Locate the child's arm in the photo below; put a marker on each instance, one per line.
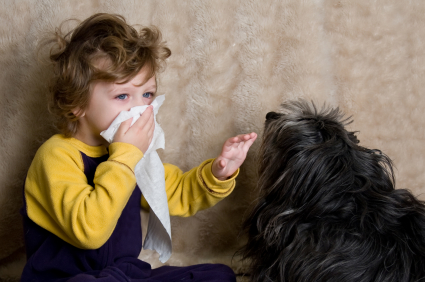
(59, 197)
(198, 188)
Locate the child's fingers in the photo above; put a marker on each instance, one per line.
(253, 135)
(250, 136)
(221, 164)
(150, 138)
(248, 144)
(244, 137)
(219, 168)
(229, 145)
(145, 120)
(150, 127)
(241, 138)
(124, 126)
(232, 141)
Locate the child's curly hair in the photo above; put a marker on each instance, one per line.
(103, 47)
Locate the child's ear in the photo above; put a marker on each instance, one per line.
(78, 112)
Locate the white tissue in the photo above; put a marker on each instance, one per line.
(150, 179)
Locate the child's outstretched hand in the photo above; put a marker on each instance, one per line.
(232, 155)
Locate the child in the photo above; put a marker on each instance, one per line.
(81, 204)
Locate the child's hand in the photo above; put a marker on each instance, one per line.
(232, 155)
(140, 134)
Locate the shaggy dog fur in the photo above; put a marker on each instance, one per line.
(328, 210)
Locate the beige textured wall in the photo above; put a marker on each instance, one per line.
(233, 61)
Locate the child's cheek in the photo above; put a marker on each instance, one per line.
(148, 101)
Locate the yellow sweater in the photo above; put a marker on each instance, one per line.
(60, 199)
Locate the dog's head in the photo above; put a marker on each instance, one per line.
(308, 159)
(327, 208)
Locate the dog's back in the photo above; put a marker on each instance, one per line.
(328, 210)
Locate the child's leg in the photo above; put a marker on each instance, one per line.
(194, 273)
(121, 273)
(109, 274)
(201, 272)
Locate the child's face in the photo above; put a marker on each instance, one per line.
(107, 100)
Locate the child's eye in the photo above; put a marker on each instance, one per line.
(122, 96)
(147, 95)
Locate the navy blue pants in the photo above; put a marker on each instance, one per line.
(201, 272)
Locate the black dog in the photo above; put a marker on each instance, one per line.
(328, 210)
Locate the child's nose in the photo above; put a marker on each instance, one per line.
(140, 101)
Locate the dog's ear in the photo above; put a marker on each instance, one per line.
(272, 115)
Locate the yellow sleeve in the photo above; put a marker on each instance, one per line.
(194, 190)
(60, 200)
